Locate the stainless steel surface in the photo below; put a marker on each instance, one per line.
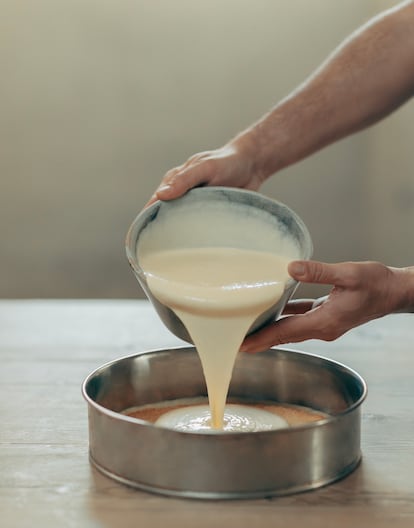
(235, 465)
(288, 221)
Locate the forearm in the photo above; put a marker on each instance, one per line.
(365, 79)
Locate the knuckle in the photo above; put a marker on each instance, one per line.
(169, 173)
(317, 271)
(353, 273)
(357, 273)
(353, 279)
(330, 336)
(280, 338)
(331, 333)
(199, 156)
(207, 168)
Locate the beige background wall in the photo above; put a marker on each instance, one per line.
(98, 98)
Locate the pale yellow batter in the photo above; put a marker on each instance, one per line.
(218, 293)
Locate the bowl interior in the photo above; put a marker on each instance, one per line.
(217, 216)
(221, 217)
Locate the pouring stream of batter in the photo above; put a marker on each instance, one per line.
(218, 293)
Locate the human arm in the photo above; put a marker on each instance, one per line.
(362, 291)
(367, 77)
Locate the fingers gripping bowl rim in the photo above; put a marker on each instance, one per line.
(243, 208)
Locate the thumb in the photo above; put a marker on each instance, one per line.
(316, 272)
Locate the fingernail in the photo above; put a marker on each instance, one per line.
(164, 187)
(297, 268)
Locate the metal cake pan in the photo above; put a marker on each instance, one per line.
(226, 465)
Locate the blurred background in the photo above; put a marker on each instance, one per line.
(99, 98)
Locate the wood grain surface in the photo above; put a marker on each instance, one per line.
(47, 348)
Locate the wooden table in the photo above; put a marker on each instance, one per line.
(47, 348)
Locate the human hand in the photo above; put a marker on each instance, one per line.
(232, 165)
(361, 291)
